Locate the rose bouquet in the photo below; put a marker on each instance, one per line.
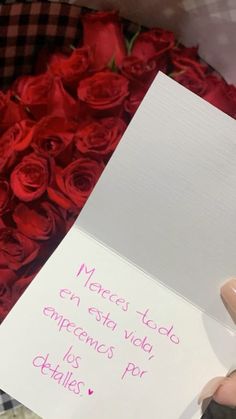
(60, 126)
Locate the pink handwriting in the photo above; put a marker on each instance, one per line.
(82, 268)
(104, 319)
(72, 359)
(98, 288)
(68, 295)
(138, 342)
(65, 379)
(151, 324)
(82, 335)
(133, 370)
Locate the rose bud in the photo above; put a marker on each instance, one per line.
(153, 43)
(102, 32)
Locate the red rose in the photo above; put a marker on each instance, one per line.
(71, 69)
(7, 279)
(7, 155)
(44, 94)
(20, 134)
(185, 63)
(102, 32)
(29, 179)
(192, 80)
(33, 92)
(99, 138)
(138, 70)
(134, 100)
(188, 71)
(5, 196)
(104, 90)
(2, 224)
(51, 135)
(60, 103)
(14, 139)
(5, 305)
(221, 95)
(76, 182)
(10, 111)
(182, 51)
(16, 250)
(43, 220)
(211, 88)
(153, 43)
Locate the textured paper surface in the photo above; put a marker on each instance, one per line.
(155, 346)
(167, 200)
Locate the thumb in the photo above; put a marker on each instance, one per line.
(226, 392)
(221, 389)
(228, 294)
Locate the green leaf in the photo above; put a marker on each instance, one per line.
(127, 44)
(112, 64)
(176, 73)
(130, 43)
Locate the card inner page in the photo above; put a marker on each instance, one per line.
(96, 334)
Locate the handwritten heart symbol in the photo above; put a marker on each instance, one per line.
(90, 392)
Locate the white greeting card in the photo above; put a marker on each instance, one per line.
(124, 319)
(167, 200)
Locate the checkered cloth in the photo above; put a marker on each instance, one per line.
(26, 27)
(6, 402)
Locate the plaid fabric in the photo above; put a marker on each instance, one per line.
(6, 402)
(26, 27)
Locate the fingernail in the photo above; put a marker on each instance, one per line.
(228, 293)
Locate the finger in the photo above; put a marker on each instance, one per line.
(210, 388)
(223, 389)
(226, 392)
(228, 294)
